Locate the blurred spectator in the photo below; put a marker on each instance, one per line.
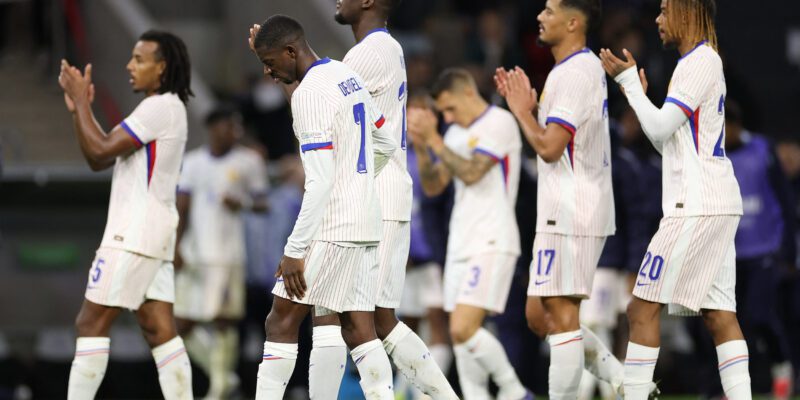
(267, 118)
(764, 245)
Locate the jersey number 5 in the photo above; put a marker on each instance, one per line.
(360, 115)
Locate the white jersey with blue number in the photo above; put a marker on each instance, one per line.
(333, 111)
(378, 59)
(574, 193)
(698, 176)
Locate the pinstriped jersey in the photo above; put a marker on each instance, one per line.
(142, 217)
(333, 111)
(574, 194)
(698, 176)
(378, 59)
(483, 218)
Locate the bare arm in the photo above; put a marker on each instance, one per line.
(99, 149)
(422, 126)
(550, 142)
(182, 202)
(468, 170)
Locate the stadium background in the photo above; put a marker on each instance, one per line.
(53, 208)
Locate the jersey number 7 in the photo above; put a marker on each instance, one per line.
(360, 115)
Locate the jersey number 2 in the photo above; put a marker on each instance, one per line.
(360, 115)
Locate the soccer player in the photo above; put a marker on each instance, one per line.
(330, 260)
(572, 142)
(481, 152)
(217, 183)
(378, 59)
(133, 266)
(690, 263)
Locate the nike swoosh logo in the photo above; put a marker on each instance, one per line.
(542, 282)
(642, 284)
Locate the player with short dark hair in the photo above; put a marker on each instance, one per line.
(481, 154)
(378, 58)
(572, 141)
(133, 266)
(690, 263)
(330, 259)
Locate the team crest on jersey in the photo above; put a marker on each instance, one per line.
(233, 175)
(472, 142)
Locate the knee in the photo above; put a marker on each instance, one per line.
(385, 321)
(462, 330)
(640, 313)
(278, 328)
(537, 321)
(719, 321)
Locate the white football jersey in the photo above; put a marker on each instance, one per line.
(698, 176)
(483, 218)
(214, 234)
(333, 111)
(574, 194)
(378, 59)
(142, 217)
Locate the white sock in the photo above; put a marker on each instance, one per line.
(174, 369)
(587, 386)
(275, 370)
(326, 366)
(443, 355)
(198, 342)
(566, 364)
(599, 360)
(491, 355)
(734, 361)
(474, 379)
(375, 370)
(222, 362)
(412, 357)
(88, 367)
(640, 364)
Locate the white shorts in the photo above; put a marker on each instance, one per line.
(119, 278)
(564, 265)
(602, 308)
(339, 278)
(690, 264)
(393, 259)
(422, 291)
(482, 280)
(204, 293)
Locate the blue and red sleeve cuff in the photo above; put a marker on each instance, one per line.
(488, 153)
(379, 123)
(137, 141)
(563, 123)
(685, 108)
(316, 146)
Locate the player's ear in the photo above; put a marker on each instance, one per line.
(365, 4)
(291, 50)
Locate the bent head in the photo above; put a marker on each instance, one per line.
(454, 93)
(278, 45)
(687, 22)
(349, 12)
(561, 18)
(160, 64)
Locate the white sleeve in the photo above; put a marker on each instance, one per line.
(313, 120)
(658, 124)
(569, 107)
(187, 179)
(383, 144)
(148, 121)
(319, 170)
(257, 182)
